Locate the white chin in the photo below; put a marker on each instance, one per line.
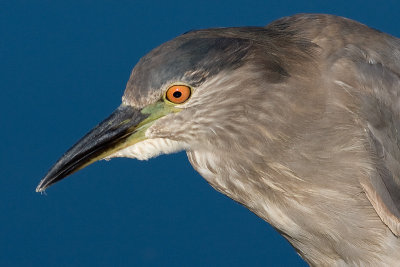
(149, 148)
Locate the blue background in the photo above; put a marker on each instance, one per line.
(63, 68)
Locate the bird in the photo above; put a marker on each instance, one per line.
(298, 121)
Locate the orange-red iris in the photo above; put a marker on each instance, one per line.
(178, 93)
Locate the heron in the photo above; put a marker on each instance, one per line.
(299, 121)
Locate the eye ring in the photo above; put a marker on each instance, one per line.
(178, 94)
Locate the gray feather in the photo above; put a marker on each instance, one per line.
(299, 122)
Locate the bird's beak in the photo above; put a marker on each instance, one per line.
(126, 126)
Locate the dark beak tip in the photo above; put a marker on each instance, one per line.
(116, 128)
(39, 190)
(41, 187)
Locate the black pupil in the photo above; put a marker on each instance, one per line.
(177, 94)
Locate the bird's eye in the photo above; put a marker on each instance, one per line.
(178, 94)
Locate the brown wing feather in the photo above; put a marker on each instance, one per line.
(365, 63)
(381, 110)
(372, 75)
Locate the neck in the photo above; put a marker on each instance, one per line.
(340, 228)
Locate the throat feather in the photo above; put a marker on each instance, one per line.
(149, 148)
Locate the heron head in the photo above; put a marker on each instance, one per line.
(178, 96)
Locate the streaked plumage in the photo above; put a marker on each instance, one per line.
(298, 121)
